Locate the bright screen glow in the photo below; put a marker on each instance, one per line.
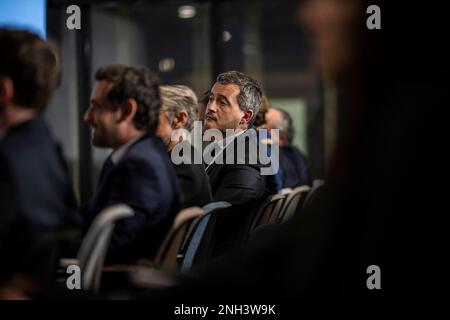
(24, 14)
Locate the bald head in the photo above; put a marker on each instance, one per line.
(280, 119)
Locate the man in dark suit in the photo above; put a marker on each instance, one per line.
(36, 198)
(176, 118)
(294, 167)
(123, 114)
(234, 100)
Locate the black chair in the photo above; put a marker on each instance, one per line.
(196, 234)
(266, 210)
(293, 200)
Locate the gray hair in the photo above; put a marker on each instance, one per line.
(176, 98)
(250, 91)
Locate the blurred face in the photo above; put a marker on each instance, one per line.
(222, 111)
(273, 119)
(330, 25)
(102, 119)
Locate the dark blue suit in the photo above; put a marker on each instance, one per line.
(294, 167)
(143, 179)
(36, 195)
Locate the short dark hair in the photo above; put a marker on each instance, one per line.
(260, 117)
(33, 65)
(138, 83)
(250, 91)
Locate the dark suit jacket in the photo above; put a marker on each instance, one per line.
(243, 186)
(194, 182)
(36, 196)
(294, 167)
(145, 180)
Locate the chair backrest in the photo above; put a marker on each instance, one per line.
(265, 210)
(215, 205)
(196, 233)
(95, 244)
(293, 200)
(285, 191)
(166, 257)
(317, 184)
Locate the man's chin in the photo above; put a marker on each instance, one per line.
(99, 143)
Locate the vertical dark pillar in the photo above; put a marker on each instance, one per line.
(216, 27)
(83, 44)
(315, 129)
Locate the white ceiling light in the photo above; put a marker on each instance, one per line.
(166, 64)
(226, 36)
(186, 12)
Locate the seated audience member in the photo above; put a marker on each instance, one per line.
(266, 138)
(36, 196)
(178, 112)
(234, 100)
(293, 162)
(123, 114)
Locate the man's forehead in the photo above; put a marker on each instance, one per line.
(273, 116)
(227, 90)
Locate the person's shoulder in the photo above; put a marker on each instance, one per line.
(294, 150)
(33, 133)
(146, 154)
(144, 148)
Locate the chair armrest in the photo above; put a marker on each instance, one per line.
(149, 277)
(65, 262)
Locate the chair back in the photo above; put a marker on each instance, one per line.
(166, 257)
(196, 233)
(293, 200)
(95, 244)
(266, 210)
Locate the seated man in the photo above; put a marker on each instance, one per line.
(36, 196)
(123, 114)
(234, 101)
(178, 112)
(293, 162)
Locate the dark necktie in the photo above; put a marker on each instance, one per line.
(106, 170)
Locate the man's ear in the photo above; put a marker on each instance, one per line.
(6, 90)
(247, 117)
(180, 120)
(128, 110)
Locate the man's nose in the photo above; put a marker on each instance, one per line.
(211, 107)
